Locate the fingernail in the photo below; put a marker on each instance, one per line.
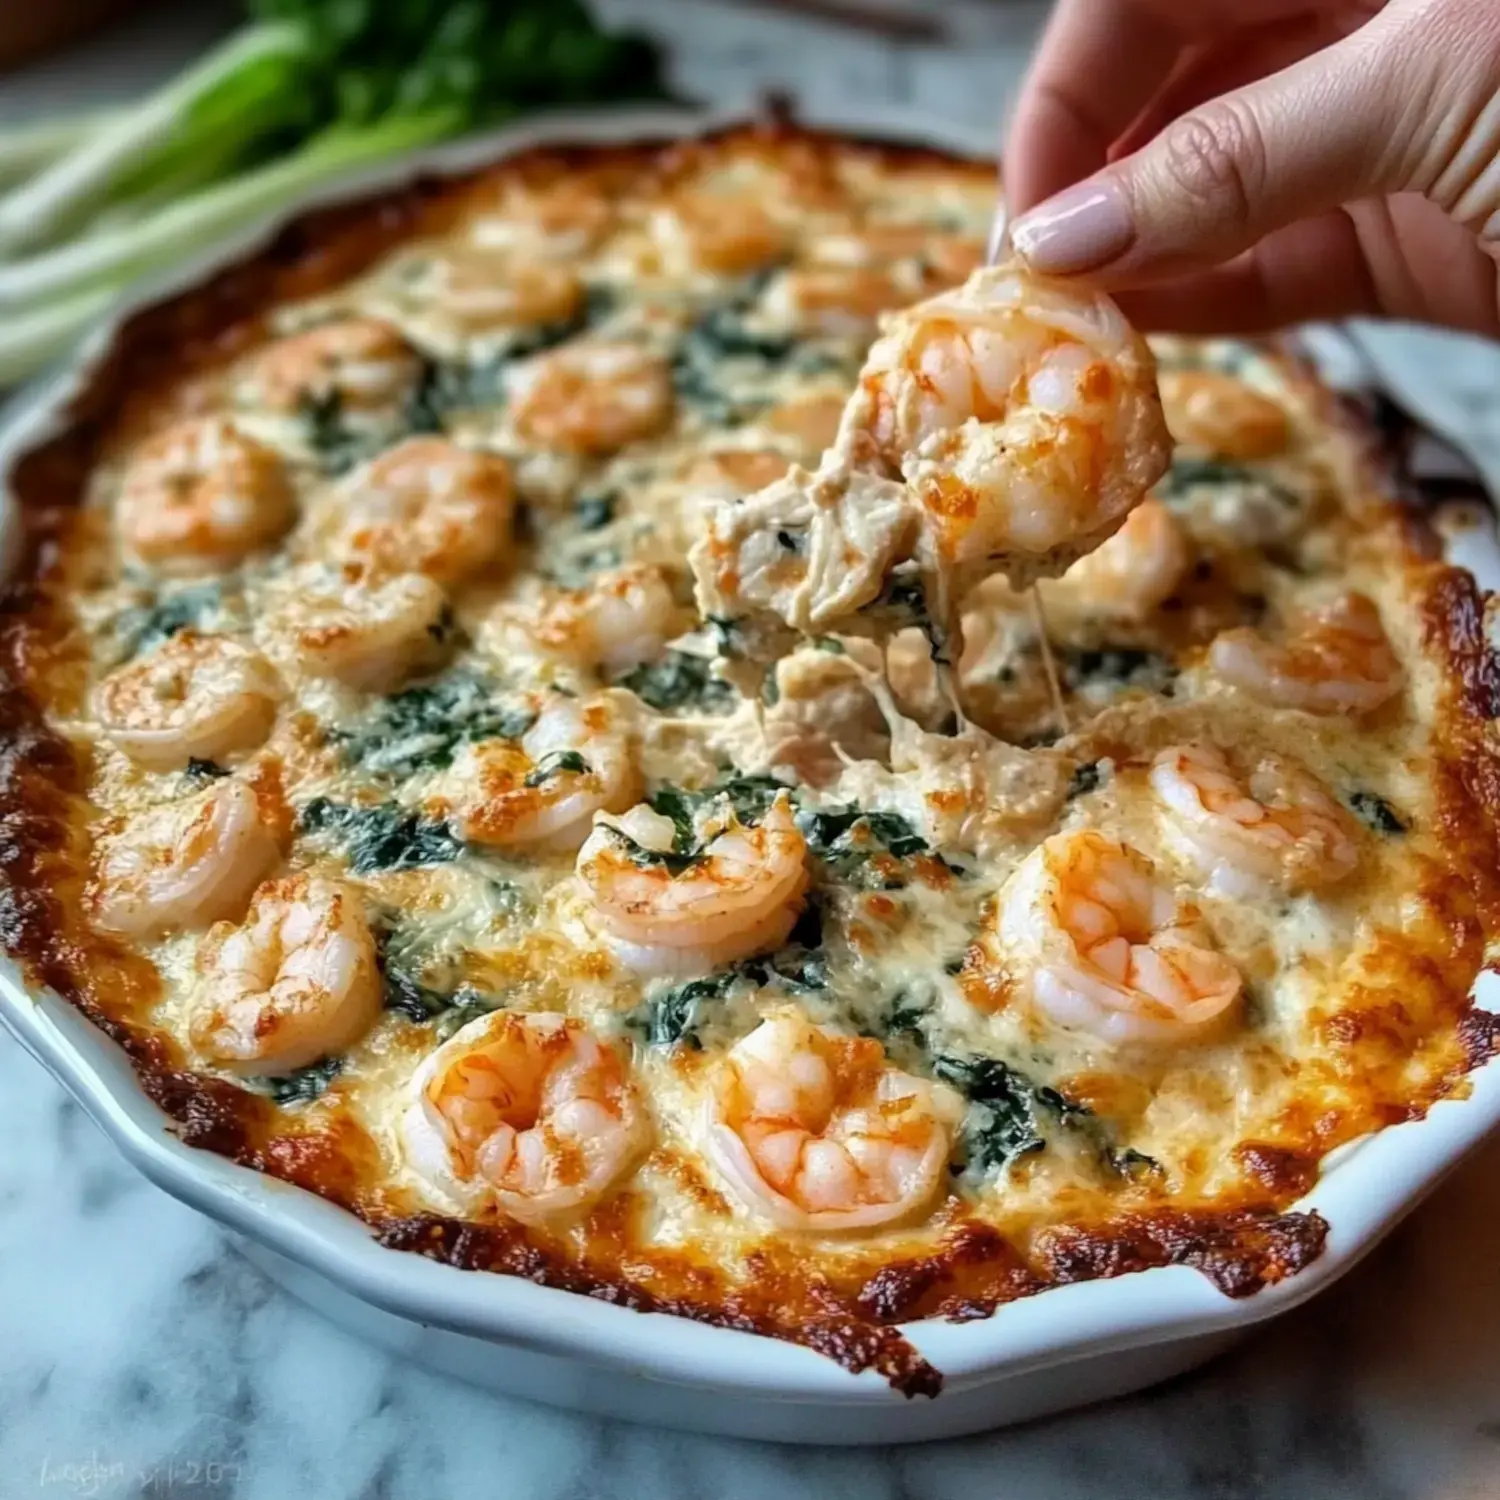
(999, 240)
(1077, 230)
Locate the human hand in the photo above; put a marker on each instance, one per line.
(1251, 163)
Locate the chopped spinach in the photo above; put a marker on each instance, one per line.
(800, 963)
(301, 1086)
(722, 334)
(1116, 666)
(382, 837)
(904, 601)
(1376, 813)
(422, 1004)
(444, 387)
(845, 838)
(728, 636)
(1086, 778)
(673, 860)
(1128, 1162)
(145, 627)
(1002, 1122)
(905, 1014)
(558, 763)
(831, 644)
(673, 1017)
(1189, 473)
(749, 797)
(422, 728)
(414, 1000)
(337, 446)
(448, 386)
(680, 680)
(595, 509)
(574, 569)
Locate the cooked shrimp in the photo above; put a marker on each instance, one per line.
(737, 893)
(560, 221)
(543, 789)
(840, 301)
(187, 863)
(591, 396)
(1132, 573)
(1275, 826)
(202, 496)
(297, 980)
(533, 1111)
(723, 234)
(197, 697)
(1023, 414)
(363, 363)
(425, 506)
(736, 471)
(368, 633)
(620, 619)
(474, 290)
(1336, 659)
(1221, 416)
(817, 1131)
(810, 421)
(1099, 944)
(940, 256)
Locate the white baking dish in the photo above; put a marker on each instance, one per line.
(1062, 1348)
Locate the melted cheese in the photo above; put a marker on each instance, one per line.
(899, 952)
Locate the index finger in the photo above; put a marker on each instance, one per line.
(1097, 66)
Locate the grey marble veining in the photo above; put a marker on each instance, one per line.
(140, 1356)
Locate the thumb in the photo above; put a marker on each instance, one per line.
(1359, 118)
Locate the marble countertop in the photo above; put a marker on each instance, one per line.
(141, 1357)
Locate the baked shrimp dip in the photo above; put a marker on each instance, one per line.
(527, 714)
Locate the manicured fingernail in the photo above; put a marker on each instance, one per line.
(999, 241)
(1077, 230)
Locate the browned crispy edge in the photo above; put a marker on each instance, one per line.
(975, 1270)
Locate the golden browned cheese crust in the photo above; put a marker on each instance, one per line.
(733, 287)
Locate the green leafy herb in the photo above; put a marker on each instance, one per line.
(329, 435)
(382, 837)
(302, 1086)
(307, 92)
(906, 1014)
(904, 602)
(595, 509)
(674, 1017)
(1086, 778)
(1128, 1162)
(728, 636)
(1376, 813)
(1190, 473)
(1116, 666)
(144, 628)
(423, 728)
(847, 839)
(200, 771)
(800, 963)
(1003, 1121)
(557, 763)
